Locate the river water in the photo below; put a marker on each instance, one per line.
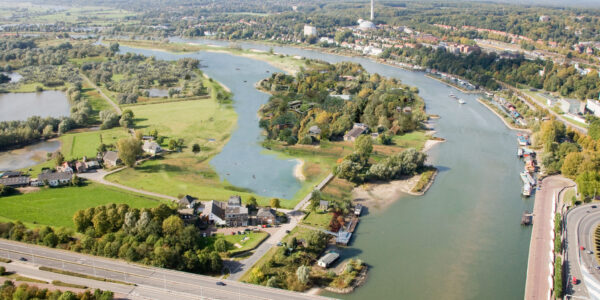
(461, 240)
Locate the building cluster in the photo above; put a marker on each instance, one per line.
(231, 213)
(452, 79)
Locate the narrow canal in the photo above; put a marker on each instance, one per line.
(462, 240)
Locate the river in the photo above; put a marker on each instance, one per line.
(461, 240)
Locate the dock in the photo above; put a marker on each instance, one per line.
(527, 218)
(352, 224)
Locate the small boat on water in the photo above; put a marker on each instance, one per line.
(526, 190)
(520, 152)
(461, 101)
(524, 177)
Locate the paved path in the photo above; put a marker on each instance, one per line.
(239, 268)
(113, 104)
(99, 174)
(146, 282)
(540, 262)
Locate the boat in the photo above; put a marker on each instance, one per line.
(358, 210)
(520, 152)
(526, 190)
(530, 179)
(523, 140)
(461, 101)
(524, 177)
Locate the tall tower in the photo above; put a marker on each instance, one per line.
(372, 11)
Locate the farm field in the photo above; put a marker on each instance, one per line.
(77, 145)
(56, 206)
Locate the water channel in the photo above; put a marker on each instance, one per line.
(462, 240)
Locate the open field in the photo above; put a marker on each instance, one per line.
(252, 240)
(56, 206)
(318, 219)
(77, 145)
(92, 15)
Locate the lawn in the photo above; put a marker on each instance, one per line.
(96, 101)
(318, 219)
(77, 145)
(248, 241)
(56, 206)
(415, 139)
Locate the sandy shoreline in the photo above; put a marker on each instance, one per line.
(378, 196)
(298, 170)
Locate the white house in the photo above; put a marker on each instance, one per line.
(215, 212)
(151, 147)
(328, 259)
(593, 106)
(55, 178)
(310, 30)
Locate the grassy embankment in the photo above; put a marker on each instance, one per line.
(247, 241)
(56, 206)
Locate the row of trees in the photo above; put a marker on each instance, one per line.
(23, 291)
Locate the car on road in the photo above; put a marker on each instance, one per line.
(590, 252)
(280, 244)
(23, 259)
(593, 206)
(575, 281)
(287, 231)
(221, 283)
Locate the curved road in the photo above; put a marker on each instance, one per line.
(580, 224)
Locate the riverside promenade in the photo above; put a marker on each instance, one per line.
(541, 257)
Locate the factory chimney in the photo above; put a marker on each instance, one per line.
(372, 11)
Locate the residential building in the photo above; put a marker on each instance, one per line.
(323, 205)
(151, 147)
(55, 178)
(188, 201)
(266, 215)
(310, 30)
(327, 259)
(91, 164)
(8, 174)
(235, 213)
(593, 106)
(111, 159)
(314, 130)
(81, 167)
(214, 211)
(65, 167)
(15, 181)
(355, 132)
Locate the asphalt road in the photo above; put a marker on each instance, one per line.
(154, 283)
(541, 245)
(580, 224)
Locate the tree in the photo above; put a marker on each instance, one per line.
(315, 199)
(221, 245)
(275, 203)
(252, 202)
(364, 145)
(59, 159)
(196, 148)
(114, 47)
(303, 273)
(572, 164)
(2, 271)
(129, 149)
(172, 225)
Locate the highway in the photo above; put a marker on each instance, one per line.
(150, 282)
(580, 224)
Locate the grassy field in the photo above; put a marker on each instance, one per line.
(77, 145)
(247, 241)
(32, 87)
(318, 219)
(96, 101)
(56, 206)
(92, 15)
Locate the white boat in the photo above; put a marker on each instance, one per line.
(530, 179)
(526, 190)
(520, 152)
(461, 101)
(524, 177)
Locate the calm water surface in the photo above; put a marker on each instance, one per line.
(27, 156)
(20, 106)
(462, 240)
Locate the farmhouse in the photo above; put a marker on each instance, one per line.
(111, 159)
(266, 215)
(81, 167)
(55, 178)
(15, 181)
(215, 212)
(188, 201)
(324, 204)
(151, 147)
(235, 213)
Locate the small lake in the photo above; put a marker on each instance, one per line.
(20, 106)
(156, 92)
(27, 156)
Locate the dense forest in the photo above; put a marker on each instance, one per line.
(154, 236)
(333, 97)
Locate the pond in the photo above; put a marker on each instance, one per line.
(20, 106)
(27, 156)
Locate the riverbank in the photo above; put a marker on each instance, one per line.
(298, 173)
(452, 85)
(508, 125)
